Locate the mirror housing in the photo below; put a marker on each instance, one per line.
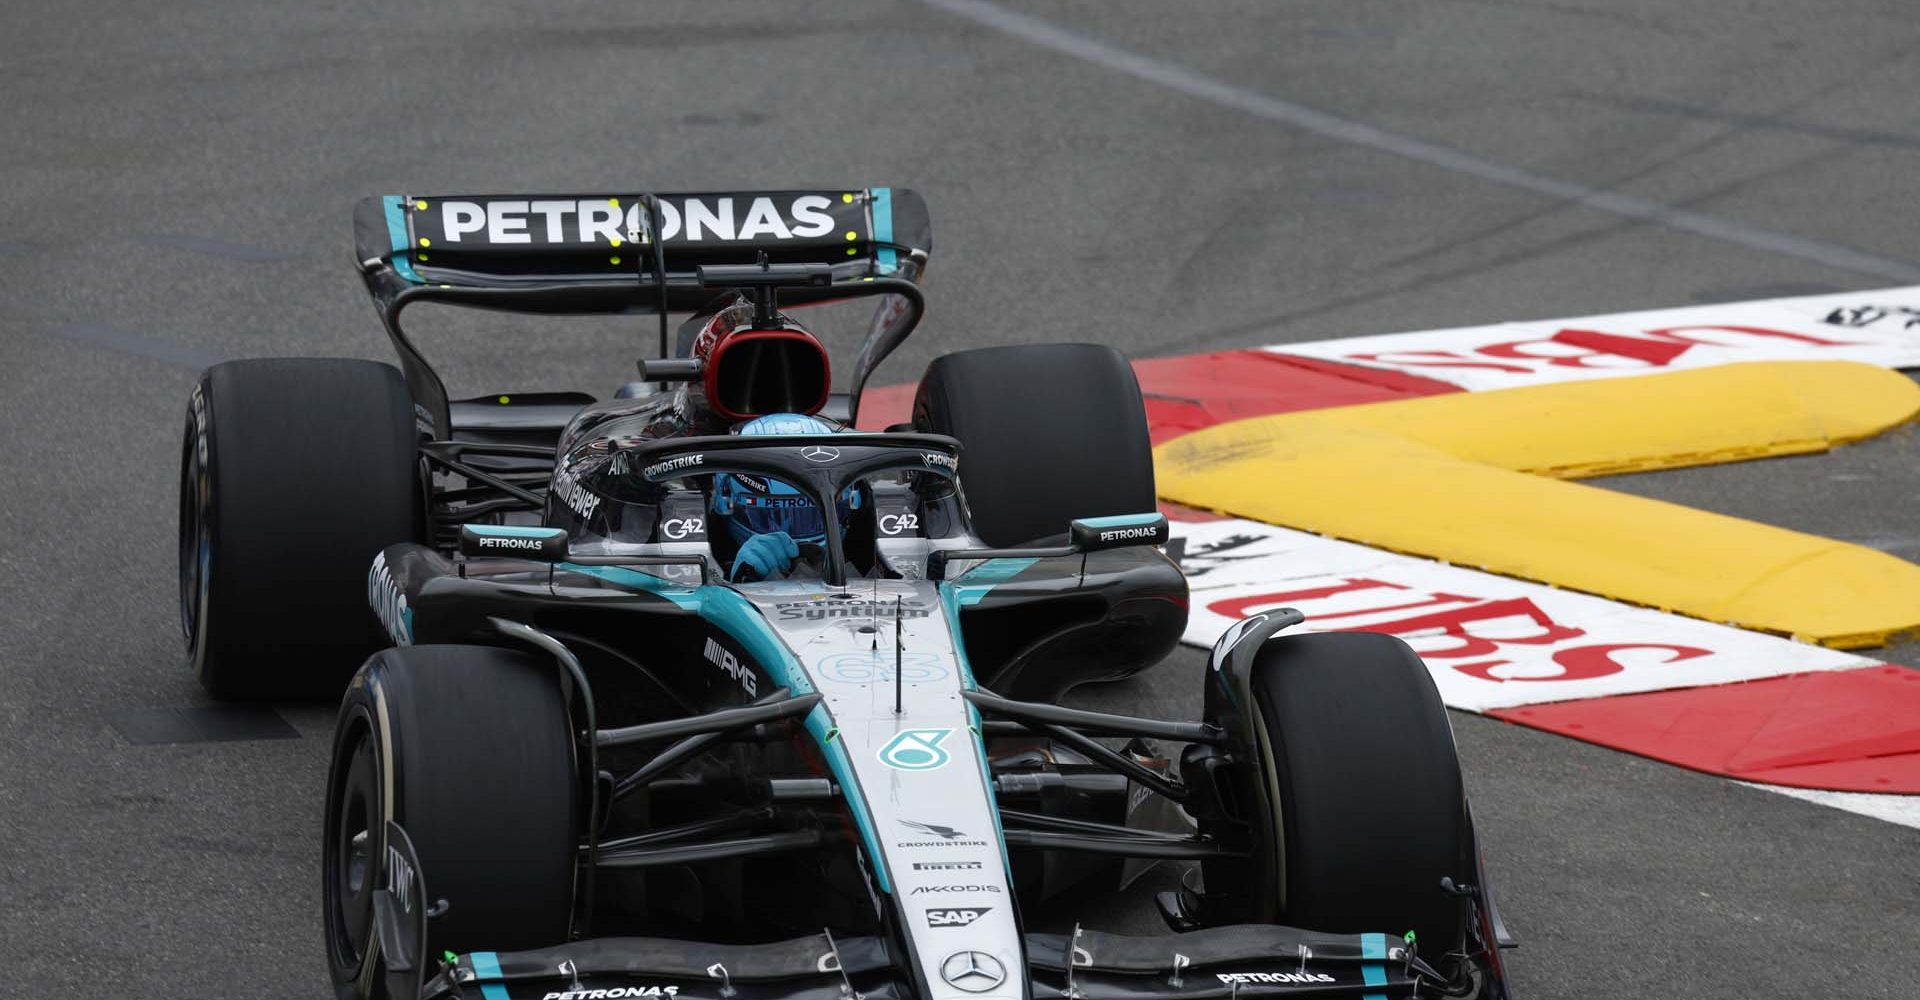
(1093, 534)
(548, 545)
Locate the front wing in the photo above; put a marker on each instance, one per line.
(1245, 960)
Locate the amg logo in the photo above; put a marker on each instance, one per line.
(731, 665)
(1116, 534)
(1248, 978)
(673, 464)
(957, 916)
(496, 542)
(608, 220)
(946, 866)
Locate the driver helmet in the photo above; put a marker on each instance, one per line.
(754, 505)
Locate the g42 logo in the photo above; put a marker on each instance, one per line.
(916, 750)
(677, 528)
(899, 524)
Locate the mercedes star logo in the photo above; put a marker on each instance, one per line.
(819, 453)
(973, 971)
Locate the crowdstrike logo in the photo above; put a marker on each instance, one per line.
(674, 464)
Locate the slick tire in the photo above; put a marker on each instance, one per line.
(471, 745)
(295, 473)
(1351, 783)
(1051, 432)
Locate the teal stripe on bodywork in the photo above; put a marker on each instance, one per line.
(486, 965)
(986, 776)
(965, 591)
(397, 235)
(1373, 950)
(737, 617)
(686, 597)
(820, 724)
(1121, 520)
(733, 614)
(974, 583)
(883, 228)
(515, 531)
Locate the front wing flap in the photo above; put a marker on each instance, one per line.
(1223, 962)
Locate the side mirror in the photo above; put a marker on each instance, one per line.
(548, 545)
(1088, 534)
(1092, 534)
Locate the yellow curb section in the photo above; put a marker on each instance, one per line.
(1463, 478)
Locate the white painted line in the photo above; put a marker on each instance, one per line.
(1901, 809)
(1178, 78)
(1878, 327)
(1490, 642)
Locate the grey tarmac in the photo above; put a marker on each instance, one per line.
(179, 180)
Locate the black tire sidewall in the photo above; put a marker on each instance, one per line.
(299, 472)
(1348, 733)
(357, 725)
(476, 743)
(1050, 432)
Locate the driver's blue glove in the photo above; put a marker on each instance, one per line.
(767, 555)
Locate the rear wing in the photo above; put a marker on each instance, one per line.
(596, 253)
(634, 253)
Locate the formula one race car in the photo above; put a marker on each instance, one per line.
(612, 748)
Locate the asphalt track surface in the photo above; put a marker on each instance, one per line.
(1166, 178)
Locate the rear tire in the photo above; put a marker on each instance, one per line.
(294, 474)
(1052, 432)
(1351, 750)
(475, 743)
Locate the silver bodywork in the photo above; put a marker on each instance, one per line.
(931, 824)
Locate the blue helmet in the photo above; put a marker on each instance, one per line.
(754, 505)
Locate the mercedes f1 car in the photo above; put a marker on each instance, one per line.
(580, 759)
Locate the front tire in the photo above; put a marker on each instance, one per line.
(1349, 792)
(471, 746)
(295, 472)
(1052, 432)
